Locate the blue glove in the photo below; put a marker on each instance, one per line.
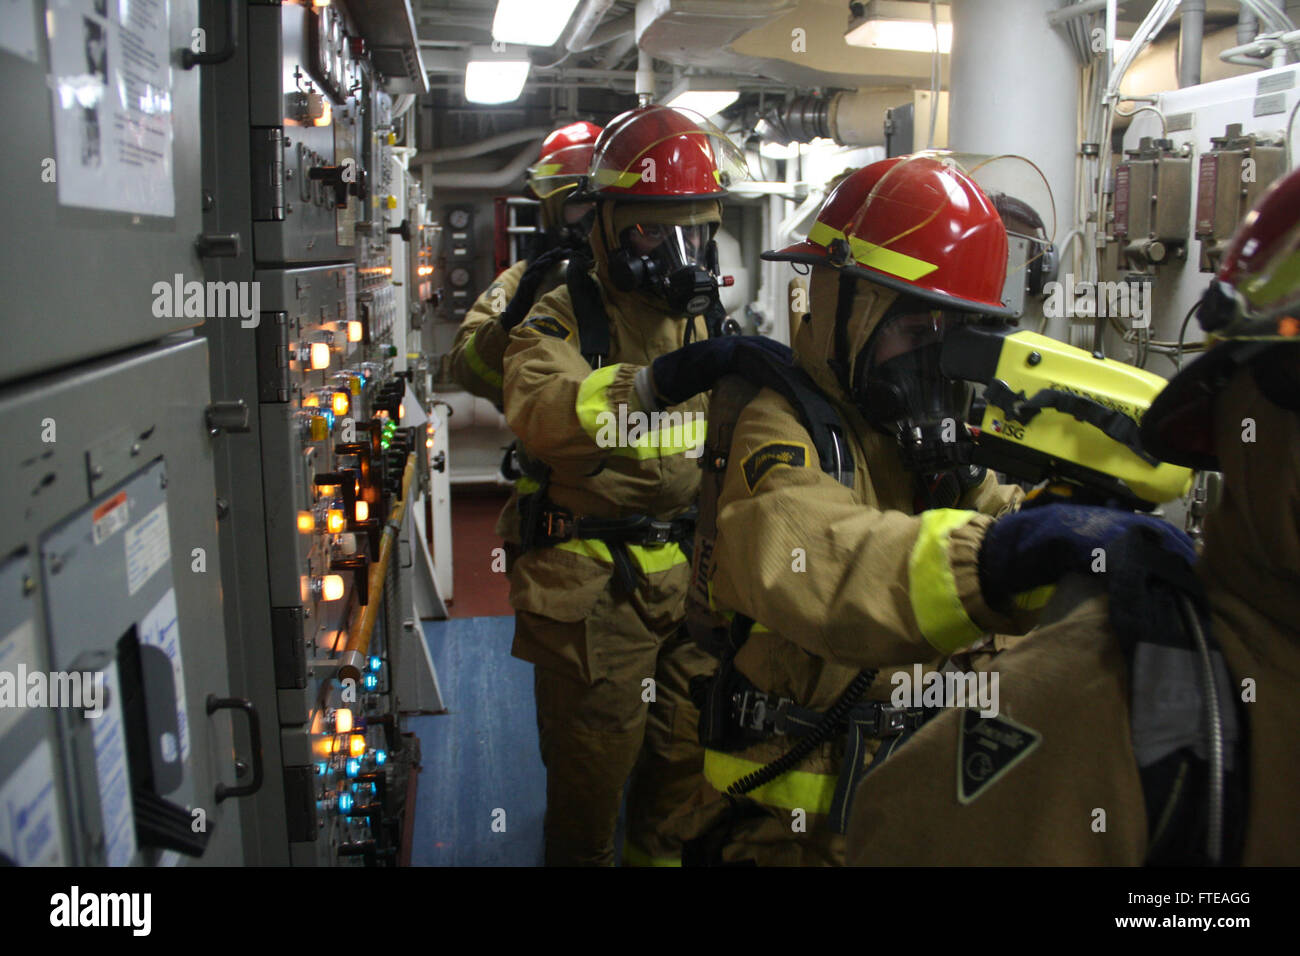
(686, 372)
(1037, 546)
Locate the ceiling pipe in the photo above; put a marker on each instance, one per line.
(593, 11)
(450, 154)
(508, 175)
(1247, 26)
(1192, 34)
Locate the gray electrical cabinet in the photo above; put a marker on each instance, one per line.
(100, 162)
(112, 589)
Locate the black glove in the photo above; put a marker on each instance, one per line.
(529, 284)
(686, 372)
(1034, 547)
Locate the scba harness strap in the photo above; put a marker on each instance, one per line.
(1187, 725)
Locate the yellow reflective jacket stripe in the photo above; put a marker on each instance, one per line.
(633, 855)
(480, 368)
(931, 586)
(796, 790)
(650, 559)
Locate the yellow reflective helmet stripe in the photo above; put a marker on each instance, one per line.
(480, 368)
(895, 263)
(931, 586)
(651, 559)
(880, 258)
(633, 855)
(796, 790)
(592, 400)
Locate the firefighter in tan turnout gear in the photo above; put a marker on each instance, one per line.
(853, 547)
(1114, 758)
(599, 590)
(480, 345)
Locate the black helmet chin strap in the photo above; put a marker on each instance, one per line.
(842, 363)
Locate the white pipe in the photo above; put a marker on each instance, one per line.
(1262, 51)
(593, 11)
(482, 147)
(497, 179)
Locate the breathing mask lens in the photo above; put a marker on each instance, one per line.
(901, 389)
(672, 262)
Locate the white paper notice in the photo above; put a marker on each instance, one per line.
(148, 548)
(17, 655)
(110, 62)
(161, 629)
(30, 834)
(115, 808)
(18, 27)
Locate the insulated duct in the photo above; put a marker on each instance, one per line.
(851, 118)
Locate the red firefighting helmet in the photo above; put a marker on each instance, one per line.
(924, 226)
(564, 160)
(657, 153)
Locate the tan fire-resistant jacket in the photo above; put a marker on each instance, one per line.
(1068, 685)
(838, 579)
(581, 423)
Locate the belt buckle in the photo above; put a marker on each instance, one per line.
(752, 709)
(890, 721)
(558, 524)
(659, 532)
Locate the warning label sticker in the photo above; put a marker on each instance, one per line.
(148, 548)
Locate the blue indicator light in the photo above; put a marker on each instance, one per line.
(380, 757)
(353, 766)
(376, 663)
(345, 802)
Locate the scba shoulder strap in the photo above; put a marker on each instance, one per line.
(1187, 727)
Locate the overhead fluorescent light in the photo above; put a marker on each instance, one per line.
(899, 25)
(495, 81)
(703, 94)
(531, 22)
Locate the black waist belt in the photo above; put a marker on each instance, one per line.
(551, 525)
(760, 715)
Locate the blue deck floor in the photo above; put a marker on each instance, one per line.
(482, 755)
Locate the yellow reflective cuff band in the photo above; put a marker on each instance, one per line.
(526, 486)
(796, 790)
(888, 260)
(480, 368)
(662, 442)
(650, 559)
(933, 589)
(592, 399)
(633, 855)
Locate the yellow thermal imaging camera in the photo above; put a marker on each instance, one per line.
(1054, 412)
